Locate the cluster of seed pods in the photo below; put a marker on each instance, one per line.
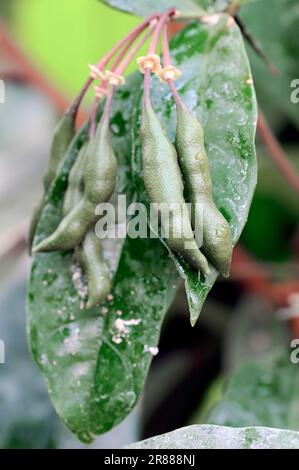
(92, 178)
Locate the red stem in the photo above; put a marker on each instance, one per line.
(165, 46)
(167, 61)
(126, 42)
(108, 105)
(133, 34)
(125, 50)
(163, 18)
(277, 152)
(93, 117)
(119, 66)
(32, 74)
(124, 64)
(151, 50)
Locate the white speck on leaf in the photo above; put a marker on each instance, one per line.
(121, 330)
(153, 350)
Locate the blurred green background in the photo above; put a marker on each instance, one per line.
(64, 40)
(60, 37)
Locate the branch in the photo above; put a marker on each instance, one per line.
(277, 153)
(14, 239)
(256, 46)
(30, 72)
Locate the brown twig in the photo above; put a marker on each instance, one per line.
(256, 46)
(14, 239)
(31, 73)
(277, 153)
(233, 8)
(14, 52)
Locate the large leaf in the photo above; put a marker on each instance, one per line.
(93, 381)
(206, 436)
(278, 35)
(261, 392)
(27, 418)
(216, 85)
(147, 7)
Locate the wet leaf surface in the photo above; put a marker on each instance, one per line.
(206, 436)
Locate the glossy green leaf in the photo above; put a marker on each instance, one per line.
(263, 392)
(217, 86)
(93, 379)
(206, 436)
(147, 7)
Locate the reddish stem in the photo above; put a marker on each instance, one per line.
(93, 118)
(108, 105)
(126, 42)
(165, 46)
(133, 34)
(124, 64)
(122, 54)
(277, 152)
(167, 61)
(32, 74)
(163, 18)
(119, 66)
(152, 50)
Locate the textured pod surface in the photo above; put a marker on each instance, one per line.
(216, 232)
(71, 230)
(63, 135)
(89, 252)
(74, 191)
(163, 182)
(95, 269)
(101, 166)
(99, 177)
(33, 223)
(220, 94)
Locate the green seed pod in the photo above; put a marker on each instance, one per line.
(33, 223)
(74, 192)
(71, 230)
(63, 135)
(101, 166)
(163, 182)
(89, 253)
(99, 182)
(217, 238)
(95, 268)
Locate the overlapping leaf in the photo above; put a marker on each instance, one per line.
(261, 392)
(147, 7)
(206, 436)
